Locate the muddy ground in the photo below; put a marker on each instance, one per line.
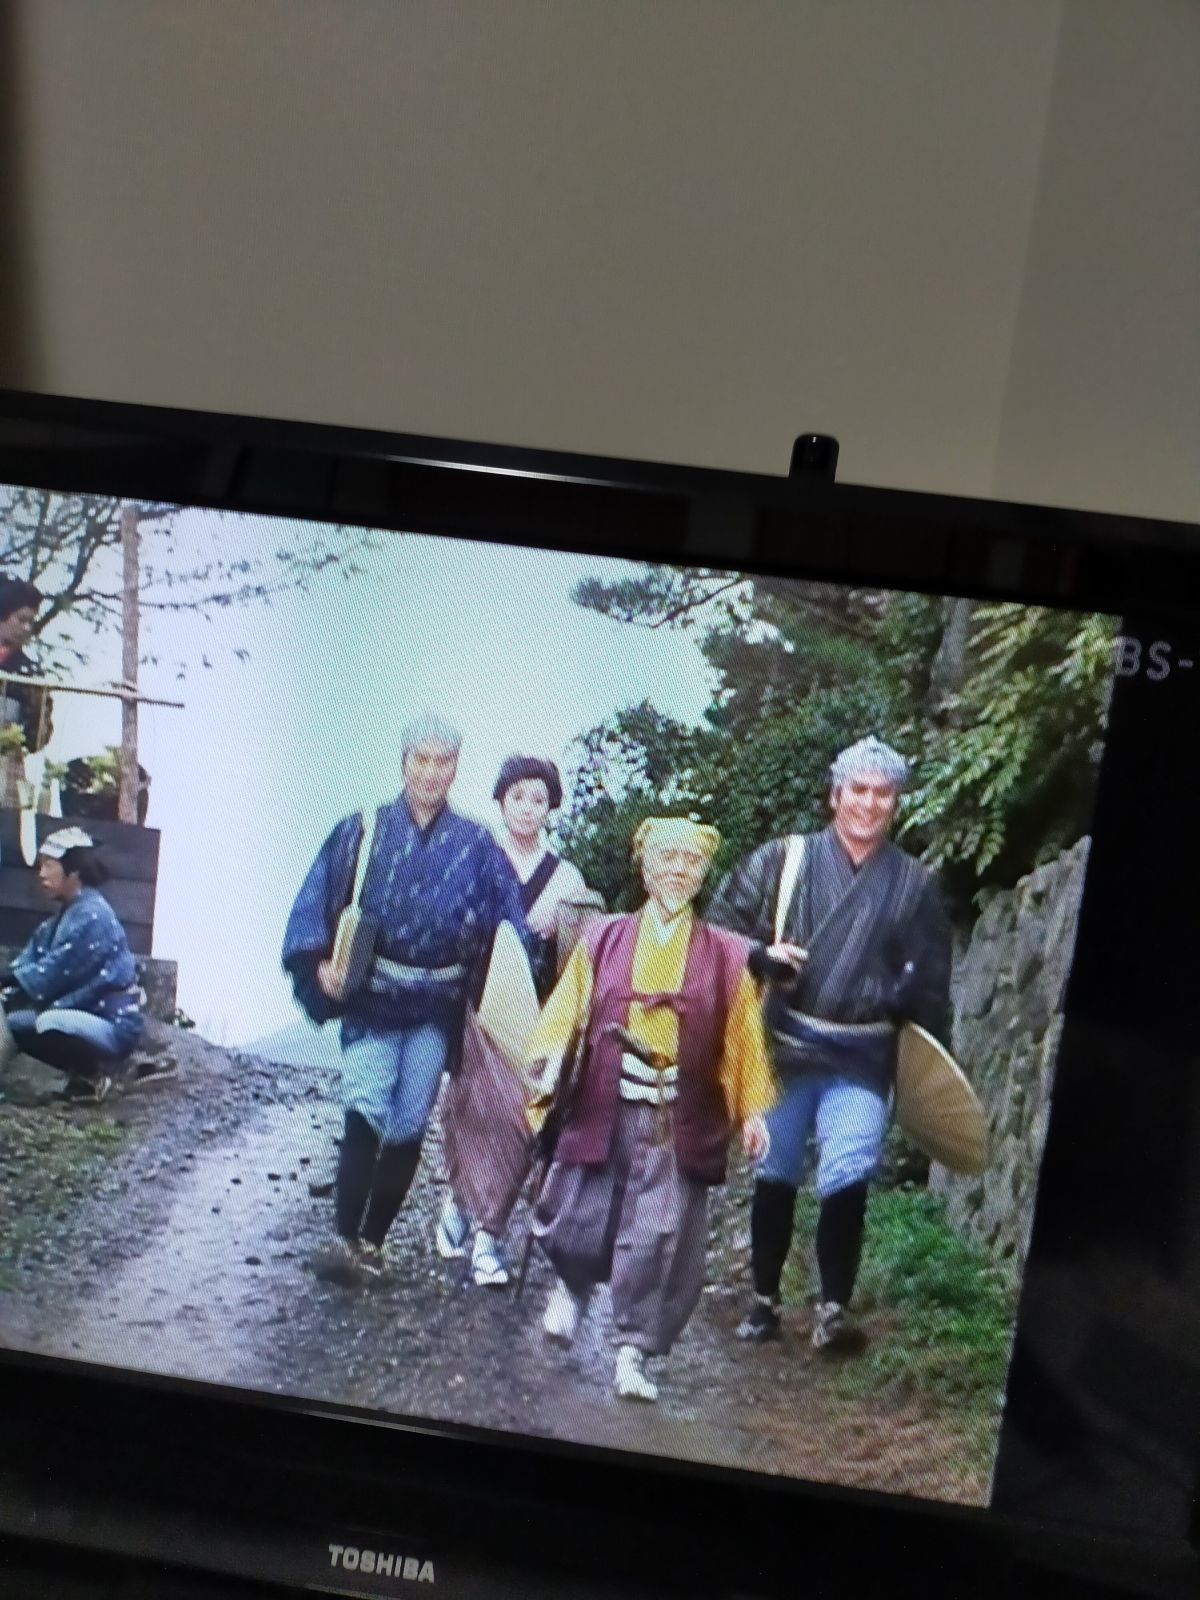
(190, 1256)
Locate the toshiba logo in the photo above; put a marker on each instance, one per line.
(380, 1563)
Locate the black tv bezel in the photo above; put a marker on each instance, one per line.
(805, 527)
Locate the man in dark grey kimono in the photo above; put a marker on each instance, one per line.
(852, 941)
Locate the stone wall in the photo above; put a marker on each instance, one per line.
(1008, 991)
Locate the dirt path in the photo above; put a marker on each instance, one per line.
(192, 1259)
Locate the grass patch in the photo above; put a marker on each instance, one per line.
(48, 1165)
(947, 1311)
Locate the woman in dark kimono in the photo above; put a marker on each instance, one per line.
(527, 790)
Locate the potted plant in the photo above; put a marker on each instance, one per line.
(91, 786)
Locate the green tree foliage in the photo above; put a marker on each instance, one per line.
(1000, 707)
(1006, 778)
(636, 765)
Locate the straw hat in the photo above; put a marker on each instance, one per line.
(936, 1106)
(508, 1009)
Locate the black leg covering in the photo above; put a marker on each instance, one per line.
(393, 1178)
(772, 1212)
(356, 1173)
(839, 1241)
(70, 1054)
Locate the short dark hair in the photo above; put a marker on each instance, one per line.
(15, 594)
(518, 768)
(85, 860)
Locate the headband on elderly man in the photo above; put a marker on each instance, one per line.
(869, 755)
(657, 831)
(430, 728)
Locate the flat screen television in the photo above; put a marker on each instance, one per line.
(572, 1024)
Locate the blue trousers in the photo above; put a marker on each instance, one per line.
(77, 1042)
(846, 1121)
(391, 1079)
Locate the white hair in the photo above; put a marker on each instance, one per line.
(430, 728)
(869, 755)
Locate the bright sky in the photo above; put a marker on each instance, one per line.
(271, 752)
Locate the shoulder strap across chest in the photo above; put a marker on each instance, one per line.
(366, 849)
(531, 889)
(793, 860)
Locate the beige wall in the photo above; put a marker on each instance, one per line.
(681, 231)
(1102, 405)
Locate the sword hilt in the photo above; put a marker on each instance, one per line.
(648, 1056)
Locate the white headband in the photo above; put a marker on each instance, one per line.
(55, 845)
(869, 755)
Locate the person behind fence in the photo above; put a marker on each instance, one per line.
(852, 940)
(658, 1023)
(71, 997)
(21, 705)
(528, 789)
(436, 888)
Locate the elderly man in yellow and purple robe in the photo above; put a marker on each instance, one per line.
(672, 1063)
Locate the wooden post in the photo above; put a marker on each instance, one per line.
(127, 796)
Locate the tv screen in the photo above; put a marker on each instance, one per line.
(591, 1000)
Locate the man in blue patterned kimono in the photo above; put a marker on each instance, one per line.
(71, 997)
(437, 887)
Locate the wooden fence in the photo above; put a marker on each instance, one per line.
(130, 854)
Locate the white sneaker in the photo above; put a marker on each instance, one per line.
(832, 1327)
(450, 1238)
(632, 1382)
(487, 1264)
(372, 1261)
(564, 1312)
